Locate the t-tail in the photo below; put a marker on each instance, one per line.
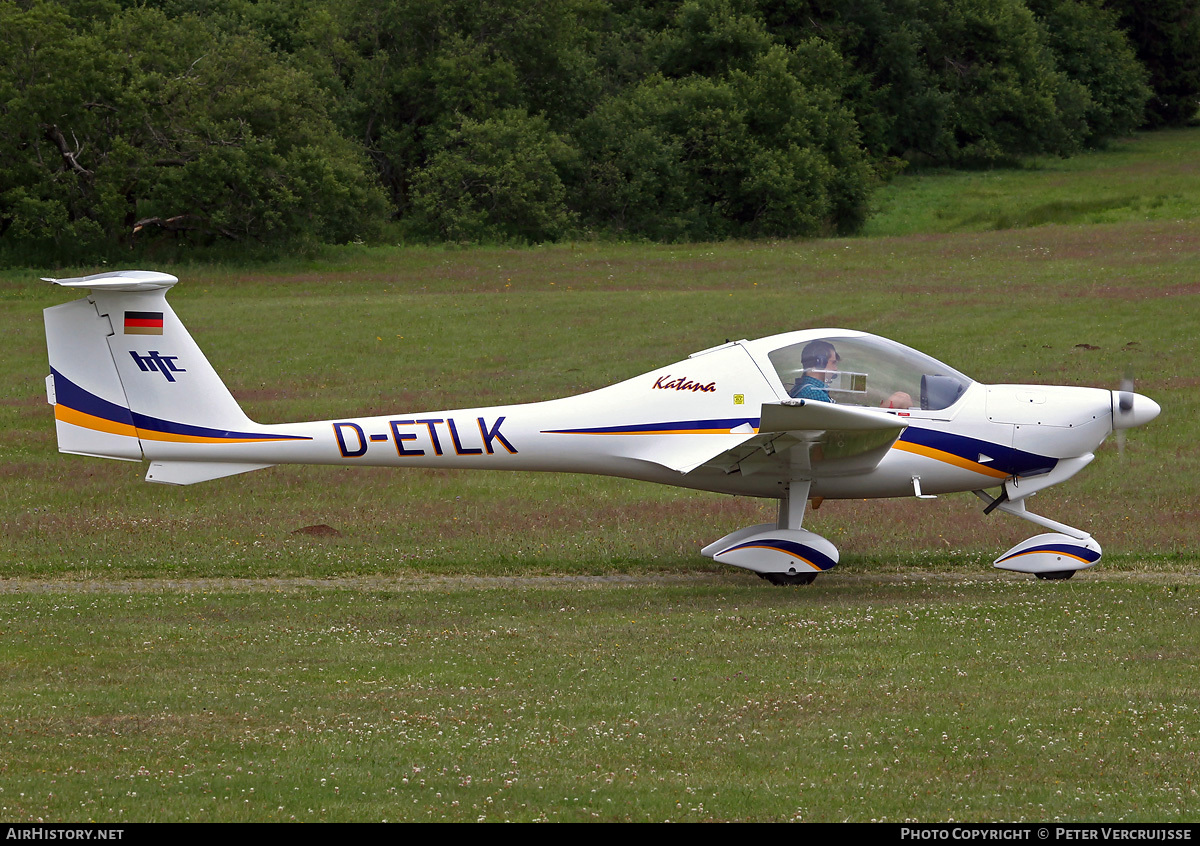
(128, 382)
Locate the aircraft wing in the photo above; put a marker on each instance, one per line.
(815, 438)
(812, 415)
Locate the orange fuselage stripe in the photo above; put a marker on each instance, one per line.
(101, 424)
(950, 458)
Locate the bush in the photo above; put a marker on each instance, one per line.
(141, 128)
(494, 180)
(1094, 53)
(755, 153)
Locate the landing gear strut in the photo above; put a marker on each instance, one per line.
(1054, 556)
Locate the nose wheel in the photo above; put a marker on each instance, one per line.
(1056, 576)
(1054, 556)
(786, 579)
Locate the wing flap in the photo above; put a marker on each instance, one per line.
(687, 452)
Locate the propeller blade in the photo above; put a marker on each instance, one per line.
(1124, 413)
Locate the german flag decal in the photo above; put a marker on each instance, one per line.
(143, 323)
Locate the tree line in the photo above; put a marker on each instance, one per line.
(175, 125)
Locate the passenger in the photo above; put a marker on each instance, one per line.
(900, 399)
(820, 363)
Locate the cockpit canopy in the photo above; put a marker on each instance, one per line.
(873, 371)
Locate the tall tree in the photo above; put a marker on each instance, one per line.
(956, 80)
(735, 136)
(1166, 36)
(128, 129)
(426, 66)
(1095, 53)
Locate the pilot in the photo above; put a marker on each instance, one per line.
(820, 362)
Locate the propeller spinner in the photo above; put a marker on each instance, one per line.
(1130, 409)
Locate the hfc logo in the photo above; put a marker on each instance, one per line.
(156, 362)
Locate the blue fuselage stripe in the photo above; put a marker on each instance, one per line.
(802, 551)
(1013, 462)
(76, 398)
(723, 424)
(1075, 551)
(72, 396)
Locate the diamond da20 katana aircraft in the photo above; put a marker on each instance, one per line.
(803, 416)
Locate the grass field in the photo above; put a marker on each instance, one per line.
(535, 646)
(689, 699)
(1152, 176)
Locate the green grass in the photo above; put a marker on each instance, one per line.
(910, 699)
(176, 653)
(1151, 176)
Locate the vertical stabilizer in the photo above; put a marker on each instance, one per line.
(127, 381)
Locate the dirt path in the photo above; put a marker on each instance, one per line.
(357, 583)
(442, 583)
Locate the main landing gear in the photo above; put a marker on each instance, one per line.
(781, 552)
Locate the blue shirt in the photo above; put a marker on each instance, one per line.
(811, 388)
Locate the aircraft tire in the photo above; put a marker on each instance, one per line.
(1056, 575)
(786, 579)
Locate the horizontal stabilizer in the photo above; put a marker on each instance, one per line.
(191, 472)
(120, 280)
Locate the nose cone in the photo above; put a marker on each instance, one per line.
(1130, 409)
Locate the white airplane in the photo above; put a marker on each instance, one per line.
(803, 416)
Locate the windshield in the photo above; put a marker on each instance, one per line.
(869, 371)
